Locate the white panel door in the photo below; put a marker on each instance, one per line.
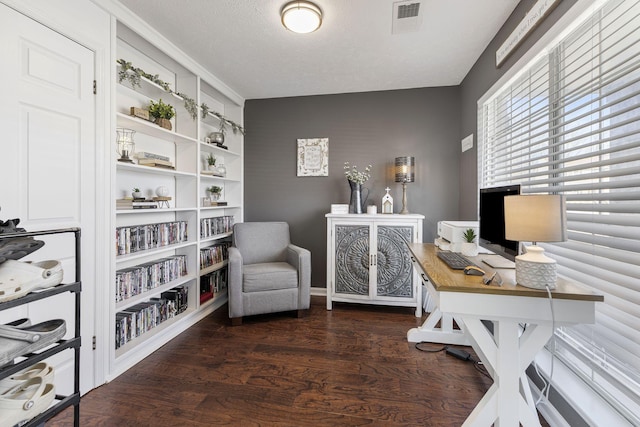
(47, 163)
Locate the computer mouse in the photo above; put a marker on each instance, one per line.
(473, 271)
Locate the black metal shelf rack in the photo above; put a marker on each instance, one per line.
(62, 402)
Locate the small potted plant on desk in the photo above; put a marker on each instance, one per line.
(469, 246)
(162, 112)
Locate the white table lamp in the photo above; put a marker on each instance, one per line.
(535, 218)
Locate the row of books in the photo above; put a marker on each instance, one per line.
(136, 204)
(140, 318)
(213, 283)
(142, 237)
(144, 277)
(214, 254)
(155, 160)
(217, 225)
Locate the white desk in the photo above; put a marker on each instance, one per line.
(506, 353)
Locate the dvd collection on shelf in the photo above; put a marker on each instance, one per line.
(142, 237)
(136, 280)
(214, 254)
(217, 225)
(213, 283)
(140, 318)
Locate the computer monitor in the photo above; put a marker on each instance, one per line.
(491, 221)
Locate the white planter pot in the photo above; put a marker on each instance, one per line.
(469, 249)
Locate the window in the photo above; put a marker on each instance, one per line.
(569, 123)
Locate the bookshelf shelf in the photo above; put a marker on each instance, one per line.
(152, 211)
(214, 267)
(217, 150)
(137, 341)
(153, 252)
(129, 302)
(152, 170)
(216, 237)
(152, 129)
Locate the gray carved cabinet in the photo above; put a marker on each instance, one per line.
(368, 260)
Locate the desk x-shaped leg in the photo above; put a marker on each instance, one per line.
(444, 334)
(506, 354)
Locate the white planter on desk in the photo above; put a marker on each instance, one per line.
(469, 249)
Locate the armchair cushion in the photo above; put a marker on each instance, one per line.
(269, 276)
(262, 242)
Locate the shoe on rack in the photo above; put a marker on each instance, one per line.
(25, 401)
(17, 278)
(16, 342)
(18, 246)
(20, 323)
(42, 369)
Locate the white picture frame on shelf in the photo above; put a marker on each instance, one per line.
(313, 157)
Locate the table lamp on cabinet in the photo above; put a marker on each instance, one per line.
(535, 218)
(405, 172)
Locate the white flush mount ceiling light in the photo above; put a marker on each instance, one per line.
(301, 16)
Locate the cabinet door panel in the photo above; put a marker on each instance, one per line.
(395, 273)
(352, 259)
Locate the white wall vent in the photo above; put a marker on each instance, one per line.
(406, 17)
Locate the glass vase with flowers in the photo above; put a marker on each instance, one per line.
(356, 178)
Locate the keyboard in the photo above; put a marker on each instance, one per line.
(454, 260)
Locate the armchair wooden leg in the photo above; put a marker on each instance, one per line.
(301, 314)
(236, 321)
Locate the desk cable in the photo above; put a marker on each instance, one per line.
(457, 353)
(544, 392)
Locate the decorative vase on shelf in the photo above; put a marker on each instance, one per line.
(163, 123)
(357, 201)
(222, 170)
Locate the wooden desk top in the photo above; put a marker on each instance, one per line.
(445, 279)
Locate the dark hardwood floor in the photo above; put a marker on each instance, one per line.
(351, 366)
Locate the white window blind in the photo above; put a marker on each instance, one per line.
(569, 123)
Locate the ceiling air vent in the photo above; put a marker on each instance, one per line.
(408, 10)
(406, 17)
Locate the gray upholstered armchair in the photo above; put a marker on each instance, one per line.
(267, 274)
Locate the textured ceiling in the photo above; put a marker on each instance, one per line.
(243, 43)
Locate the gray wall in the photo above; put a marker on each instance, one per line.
(481, 77)
(363, 128)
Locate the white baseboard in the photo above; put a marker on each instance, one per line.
(318, 292)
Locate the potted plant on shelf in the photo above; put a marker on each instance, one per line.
(215, 192)
(162, 113)
(211, 162)
(137, 194)
(469, 246)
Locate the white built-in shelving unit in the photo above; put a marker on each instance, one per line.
(187, 149)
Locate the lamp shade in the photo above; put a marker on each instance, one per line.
(405, 169)
(301, 16)
(535, 218)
